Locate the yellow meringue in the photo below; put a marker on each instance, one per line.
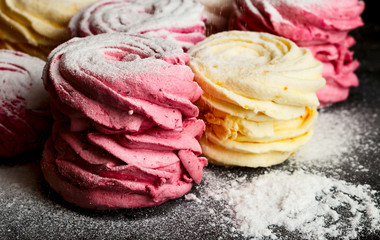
(259, 100)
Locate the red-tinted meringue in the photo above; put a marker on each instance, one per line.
(25, 120)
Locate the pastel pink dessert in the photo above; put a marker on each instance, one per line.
(181, 21)
(320, 25)
(126, 131)
(25, 120)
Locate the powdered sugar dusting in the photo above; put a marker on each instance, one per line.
(21, 79)
(314, 205)
(299, 198)
(146, 15)
(269, 205)
(339, 134)
(181, 21)
(95, 54)
(292, 199)
(192, 197)
(343, 155)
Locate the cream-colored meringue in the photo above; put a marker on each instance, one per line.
(29, 25)
(260, 97)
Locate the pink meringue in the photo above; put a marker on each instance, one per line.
(125, 134)
(25, 119)
(180, 21)
(321, 26)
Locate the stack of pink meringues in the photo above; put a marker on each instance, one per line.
(126, 132)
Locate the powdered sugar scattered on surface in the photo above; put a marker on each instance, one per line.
(192, 197)
(338, 136)
(312, 205)
(306, 202)
(344, 154)
(322, 192)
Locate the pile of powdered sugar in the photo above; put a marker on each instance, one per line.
(278, 202)
(306, 195)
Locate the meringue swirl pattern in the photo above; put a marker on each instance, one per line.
(259, 102)
(126, 130)
(25, 119)
(319, 25)
(180, 21)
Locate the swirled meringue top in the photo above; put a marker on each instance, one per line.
(300, 20)
(108, 76)
(248, 68)
(181, 21)
(260, 97)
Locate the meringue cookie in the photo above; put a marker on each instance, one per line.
(25, 119)
(36, 26)
(321, 26)
(259, 103)
(180, 21)
(125, 134)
